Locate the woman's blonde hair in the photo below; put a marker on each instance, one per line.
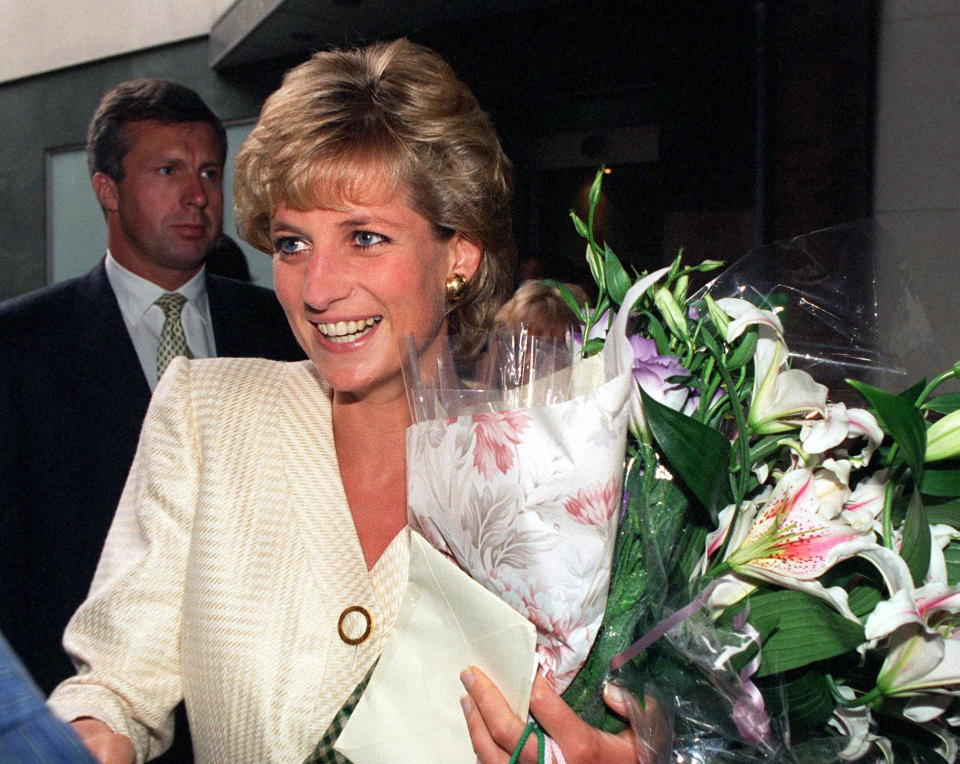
(390, 115)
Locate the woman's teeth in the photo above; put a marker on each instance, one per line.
(347, 331)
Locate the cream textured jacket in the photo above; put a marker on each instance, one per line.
(230, 560)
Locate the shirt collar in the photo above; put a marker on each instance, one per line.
(136, 295)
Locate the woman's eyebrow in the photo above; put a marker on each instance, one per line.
(283, 225)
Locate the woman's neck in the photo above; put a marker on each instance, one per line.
(371, 451)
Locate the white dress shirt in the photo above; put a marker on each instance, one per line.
(144, 320)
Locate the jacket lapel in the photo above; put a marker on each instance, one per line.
(314, 486)
(99, 324)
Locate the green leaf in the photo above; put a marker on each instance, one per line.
(944, 513)
(711, 343)
(698, 455)
(568, 299)
(797, 629)
(658, 334)
(913, 392)
(618, 282)
(592, 347)
(863, 599)
(806, 699)
(944, 404)
(915, 549)
(941, 483)
(743, 352)
(952, 555)
(902, 420)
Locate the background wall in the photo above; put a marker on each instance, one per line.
(40, 36)
(863, 117)
(917, 181)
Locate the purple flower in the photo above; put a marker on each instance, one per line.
(652, 372)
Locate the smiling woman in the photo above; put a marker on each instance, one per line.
(259, 554)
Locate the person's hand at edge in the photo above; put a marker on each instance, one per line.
(495, 729)
(107, 746)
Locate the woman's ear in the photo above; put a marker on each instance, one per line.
(466, 256)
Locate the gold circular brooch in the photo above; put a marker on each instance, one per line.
(368, 624)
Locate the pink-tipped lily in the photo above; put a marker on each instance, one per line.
(790, 539)
(782, 399)
(788, 542)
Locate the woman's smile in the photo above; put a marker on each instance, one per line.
(340, 332)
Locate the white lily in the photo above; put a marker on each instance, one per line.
(941, 536)
(839, 424)
(947, 748)
(863, 507)
(782, 398)
(920, 662)
(854, 723)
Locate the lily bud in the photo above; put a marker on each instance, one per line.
(943, 438)
(596, 267)
(671, 312)
(719, 318)
(680, 288)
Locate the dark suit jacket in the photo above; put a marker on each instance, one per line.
(72, 400)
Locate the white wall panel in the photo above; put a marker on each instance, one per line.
(42, 35)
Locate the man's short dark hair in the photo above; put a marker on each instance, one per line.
(135, 101)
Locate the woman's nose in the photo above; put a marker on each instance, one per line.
(327, 279)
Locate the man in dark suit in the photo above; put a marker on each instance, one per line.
(78, 360)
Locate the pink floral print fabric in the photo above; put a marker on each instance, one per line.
(527, 502)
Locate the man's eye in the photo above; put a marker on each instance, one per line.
(211, 174)
(368, 238)
(166, 170)
(288, 245)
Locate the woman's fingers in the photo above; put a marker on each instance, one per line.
(494, 728)
(578, 740)
(107, 746)
(648, 722)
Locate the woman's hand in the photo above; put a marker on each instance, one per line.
(495, 729)
(107, 746)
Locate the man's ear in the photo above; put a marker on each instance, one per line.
(466, 256)
(105, 188)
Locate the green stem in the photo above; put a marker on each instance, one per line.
(888, 514)
(743, 434)
(933, 385)
(743, 450)
(864, 700)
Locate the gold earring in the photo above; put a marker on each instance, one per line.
(456, 287)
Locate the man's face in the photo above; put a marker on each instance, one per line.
(167, 210)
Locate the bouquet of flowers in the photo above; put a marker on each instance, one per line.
(785, 576)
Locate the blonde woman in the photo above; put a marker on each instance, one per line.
(259, 553)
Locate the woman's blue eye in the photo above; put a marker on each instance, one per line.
(368, 238)
(288, 245)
